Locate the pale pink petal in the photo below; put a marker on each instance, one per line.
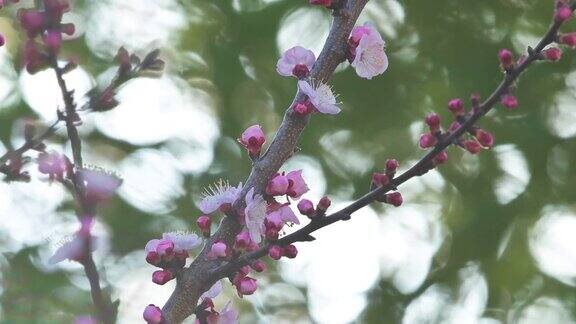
(222, 193)
(255, 213)
(151, 245)
(295, 56)
(183, 242)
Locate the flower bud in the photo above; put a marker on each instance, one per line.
(456, 106)
(246, 286)
(324, 204)
(165, 248)
(441, 158)
(472, 146)
(152, 314)
(290, 251)
(252, 139)
(204, 222)
(391, 166)
(433, 121)
(152, 258)
(275, 252)
(305, 207)
(278, 185)
(568, 39)
(506, 58)
(300, 71)
(509, 101)
(553, 54)
(301, 108)
(161, 277)
(394, 198)
(258, 266)
(218, 250)
(379, 179)
(53, 40)
(484, 138)
(427, 140)
(563, 13)
(242, 240)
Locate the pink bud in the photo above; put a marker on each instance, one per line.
(53, 40)
(302, 108)
(553, 54)
(218, 250)
(161, 277)
(324, 204)
(2, 40)
(296, 184)
(32, 21)
(484, 138)
(152, 314)
(509, 101)
(68, 29)
(472, 146)
(563, 13)
(271, 233)
(258, 266)
(244, 270)
(441, 158)
(242, 240)
(246, 286)
(394, 198)
(379, 179)
(165, 247)
(275, 252)
(153, 258)
(391, 166)
(253, 139)
(427, 140)
(300, 71)
(290, 251)
(278, 185)
(204, 222)
(306, 207)
(456, 106)
(433, 121)
(569, 39)
(506, 58)
(324, 3)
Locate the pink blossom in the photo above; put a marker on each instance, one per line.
(258, 266)
(255, 213)
(204, 223)
(99, 185)
(246, 286)
(242, 240)
(305, 207)
(278, 185)
(218, 250)
(161, 277)
(297, 186)
(569, 39)
(433, 121)
(320, 96)
(553, 54)
(392, 165)
(32, 21)
(53, 164)
(182, 242)
(222, 194)
(484, 138)
(427, 140)
(252, 139)
(283, 214)
(370, 59)
(53, 40)
(441, 158)
(509, 101)
(152, 314)
(227, 315)
(296, 61)
(456, 106)
(472, 146)
(563, 13)
(506, 58)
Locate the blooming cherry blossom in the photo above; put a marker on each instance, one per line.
(367, 52)
(182, 242)
(222, 194)
(320, 96)
(296, 61)
(296, 184)
(255, 213)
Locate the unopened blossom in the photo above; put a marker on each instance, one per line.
(568, 39)
(324, 204)
(275, 252)
(506, 58)
(152, 314)
(305, 207)
(380, 179)
(278, 185)
(228, 315)
(441, 158)
(254, 215)
(303, 108)
(32, 21)
(563, 13)
(161, 277)
(242, 240)
(394, 198)
(218, 250)
(553, 54)
(484, 138)
(218, 196)
(246, 286)
(433, 121)
(456, 106)
(290, 251)
(2, 40)
(182, 242)
(258, 266)
(296, 184)
(427, 140)
(53, 164)
(252, 139)
(472, 146)
(204, 223)
(296, 61)
(320, 96)
(324, 3)
(509, 101)
(367, 48)
(99, 185)
(391, 166)
(52, 40)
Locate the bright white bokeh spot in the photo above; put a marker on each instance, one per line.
(562, 115)
(386, 15)
(151, 180)
(42, 93)
(155, 110)
(134, 24)
(553, 243)
(546, 310)
(307, 27)
(516, 175)
(344, 156)
(245, 6)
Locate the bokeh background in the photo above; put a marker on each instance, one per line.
(485, 239)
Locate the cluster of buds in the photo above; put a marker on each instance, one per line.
(45, 24)
(380, 179)
(169, 254)
(306, 208)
